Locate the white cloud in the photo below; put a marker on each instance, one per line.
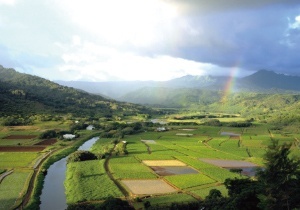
(98, 62)
(7, 2)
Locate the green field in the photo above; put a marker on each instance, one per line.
(13, 187)
(189, 180)
(17, 159)
(87, 180)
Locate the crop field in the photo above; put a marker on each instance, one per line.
(189, 180)
(13, 187)
(87, 180)
(131, 171)
(17, 159)
(162, 167)
(22, 148)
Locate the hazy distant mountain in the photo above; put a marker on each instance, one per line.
(118, 89)
(261, 81)
(172, 97)
(264, 80)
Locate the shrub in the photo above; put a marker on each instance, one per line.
(81, 156)
(48, 134)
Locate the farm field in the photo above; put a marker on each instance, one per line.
(13, 188)
(149, 153)
(88, 181)
(160, 167)
(21, 150)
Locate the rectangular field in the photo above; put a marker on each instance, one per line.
(189, 180)
(17, 159)
(13, 187)
(87, 180)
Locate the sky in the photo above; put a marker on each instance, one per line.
(112, 40)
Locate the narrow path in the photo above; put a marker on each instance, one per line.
(121, 188)
(5, 175)
(36, 170)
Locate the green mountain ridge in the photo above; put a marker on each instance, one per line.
(25, 94)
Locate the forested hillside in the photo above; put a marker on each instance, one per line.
(26, 94)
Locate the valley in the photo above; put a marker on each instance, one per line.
(175, 151)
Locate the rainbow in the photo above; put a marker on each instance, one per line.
(229, 84)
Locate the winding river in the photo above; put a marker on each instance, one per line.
(53, 193)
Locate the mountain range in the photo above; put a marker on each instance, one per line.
(270, 97)
(262, 81)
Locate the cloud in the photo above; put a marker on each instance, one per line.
(148, 39)
(97, 62)
(7, 2)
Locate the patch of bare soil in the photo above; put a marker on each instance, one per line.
(148, 187)
(163, 163)
(47, 142)
(22, 148)
(229, 163)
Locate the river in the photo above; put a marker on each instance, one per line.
(53, 193)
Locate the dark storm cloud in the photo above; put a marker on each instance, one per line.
(255, 34)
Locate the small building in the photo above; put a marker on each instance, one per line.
(160, 129)
(90, 127)
(69, 136)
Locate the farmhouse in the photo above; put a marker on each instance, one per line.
(69, 136)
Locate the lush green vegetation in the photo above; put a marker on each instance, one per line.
(13, 187)
(189, 180)
(81, 156)
(23, 95)
(88, 181)
(17, 159)
(193, 131)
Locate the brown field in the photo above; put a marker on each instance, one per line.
(22, 148)
(20, 137)
(47, 142)
(163, 163)
(19, 128)
(229, 163)
(148, 187)
(173, 170)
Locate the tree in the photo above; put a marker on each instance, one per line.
(116, 204)
(81, 156)
(48, 134)
(280, 178)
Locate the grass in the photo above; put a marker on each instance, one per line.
(189, 180)
(12, 188)
(87, 181)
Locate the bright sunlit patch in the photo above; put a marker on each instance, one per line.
(7, 2)
(296, 23)
(118, 21)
